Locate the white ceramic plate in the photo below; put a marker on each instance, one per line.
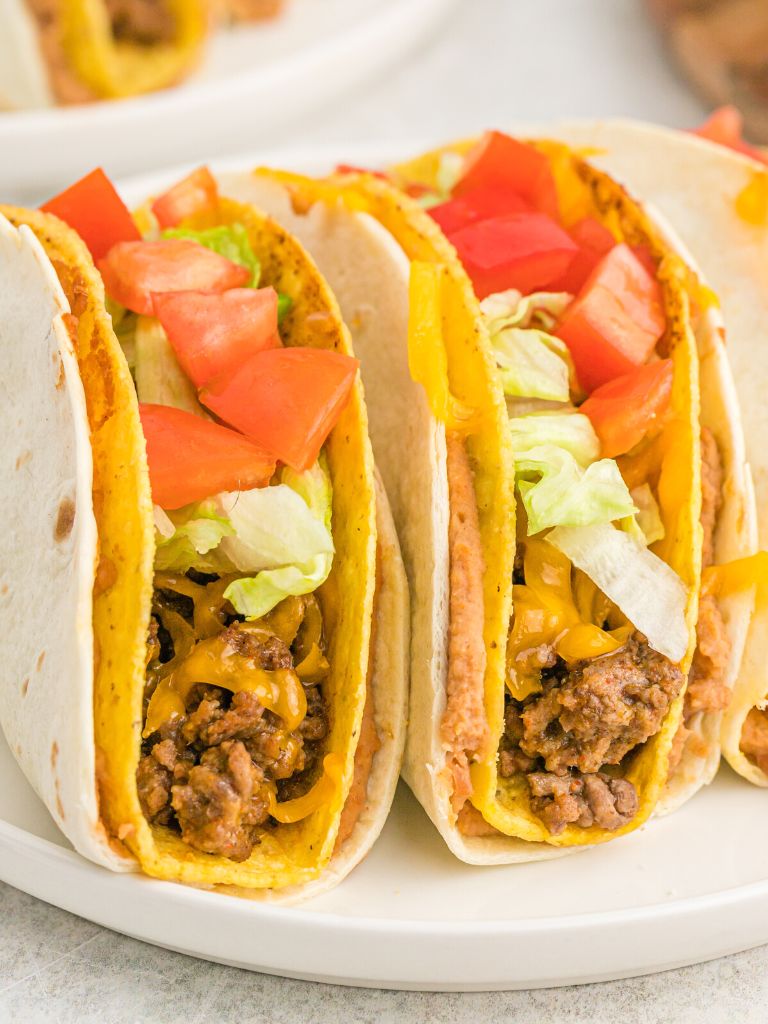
(253, 79)
(682, 889)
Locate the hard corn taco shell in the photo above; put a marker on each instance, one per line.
(78, 572)
(76, 51)
(365, 235)
(717, 201)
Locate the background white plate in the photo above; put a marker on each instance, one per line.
(683, 889)
(253, 79)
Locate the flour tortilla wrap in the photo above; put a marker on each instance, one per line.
(364, 237)
(76, 51)
(716, 200)
(78, 569)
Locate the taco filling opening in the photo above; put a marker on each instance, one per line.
(235, 714)
(590, 346)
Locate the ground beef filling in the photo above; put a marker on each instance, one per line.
(145, 22)
(586, 717)
(754, 738)
(212, 773)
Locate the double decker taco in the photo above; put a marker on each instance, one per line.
(554, 418)
(209, 612)
(717, 198)
(77, 51)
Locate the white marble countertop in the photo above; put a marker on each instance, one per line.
(497, 61)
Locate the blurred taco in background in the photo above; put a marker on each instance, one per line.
(555, 483)
(717, 199)
(77, 51)
(209, 675)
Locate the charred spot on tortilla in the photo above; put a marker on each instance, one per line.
(23, 458)
(54, 754)
(106, 575)
(25, 687)
(65, 519)
(40, 660)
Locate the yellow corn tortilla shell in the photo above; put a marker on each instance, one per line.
(702, 189)
(364, 234)
(291, 854)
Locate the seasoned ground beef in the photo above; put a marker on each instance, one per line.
(146, 22)
(754, 738)
(596, 712)
(584, 800)
(711, 492)
(213, 772)
(584, 718)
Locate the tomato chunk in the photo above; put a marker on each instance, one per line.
(478, 204)
(625, 409)
(353, 169)
(613, 324)
(191, 458)
(134, 271)
(594, 241)
(97, 213)
(214, 334)
(500, 160)
(197, 193)
(287, 399)
(520, 250)
(725, 126)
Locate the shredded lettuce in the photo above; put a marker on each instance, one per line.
(648, 515)
(159, 378)
(556, 491)
(640, 584)
(228, 240)
(449, 170)
(569, 430)
(281, 534)
(511, 308)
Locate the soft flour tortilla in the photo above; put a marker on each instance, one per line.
(369, 271)
(698, 186)
(108, 571)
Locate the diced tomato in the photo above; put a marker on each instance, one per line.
(725, 126)
(594, 241)
(625, 409)
(500, 160)
(191, 458)
(479, 204)
(520, 250)
(197, 193)
(287, 399)
(97, 213)
(213, 334)
(352, 169)
(615, 321)
(134, 271)
(645, 256)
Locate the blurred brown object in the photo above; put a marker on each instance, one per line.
(722, 46)
(252, 10)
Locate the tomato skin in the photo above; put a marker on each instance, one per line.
(191, 458)
(520, 250)
(625, 409)
(615, 321)
(97, 213)
(498, 159)
(212, 334)
(594, 241)
(724, 126)
(287, 399)
(134, 271)
(197, 193)
(478, 204)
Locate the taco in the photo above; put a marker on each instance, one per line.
(208, 676)
(554, 482)
(77, 51)
(718, 201)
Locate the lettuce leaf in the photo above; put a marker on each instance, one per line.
(281, 534)
(511, 308)
(556, 491)
(569, 430)
(228, 240)
(533, 364)
(640, 584)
